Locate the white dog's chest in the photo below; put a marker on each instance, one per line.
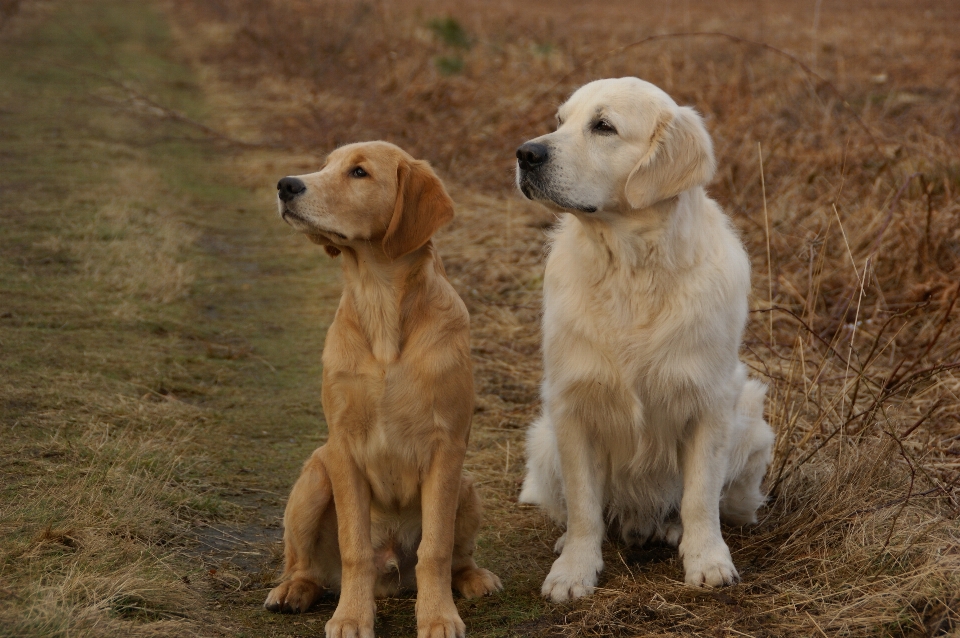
(627, 332)
(669, 341)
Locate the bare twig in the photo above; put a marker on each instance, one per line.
(766, 226)
(913, 476)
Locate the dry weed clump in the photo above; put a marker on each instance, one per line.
(843, 179)
(119, 499)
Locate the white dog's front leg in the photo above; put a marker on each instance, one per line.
(574, 573)
(706, 558)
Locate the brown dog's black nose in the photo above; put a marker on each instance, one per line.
(290, 187)
(531, 155)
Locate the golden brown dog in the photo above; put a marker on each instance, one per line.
(384, 505)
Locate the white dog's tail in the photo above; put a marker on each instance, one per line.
(749, 458)
(750, 405)
(543, 485)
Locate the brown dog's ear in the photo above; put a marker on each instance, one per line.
(680, 157)
(422, 207)
(328, 248)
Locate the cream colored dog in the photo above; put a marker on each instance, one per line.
(648, 415)
(385, 500)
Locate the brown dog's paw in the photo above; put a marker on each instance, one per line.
(445, 626)
(473, 583)
(338, 627)
(292, 596)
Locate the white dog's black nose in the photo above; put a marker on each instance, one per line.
(531, 155)
(290, 187)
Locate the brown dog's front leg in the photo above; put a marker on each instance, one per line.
(351, 494)
(437, 615)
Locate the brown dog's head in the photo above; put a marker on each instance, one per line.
(370, 195)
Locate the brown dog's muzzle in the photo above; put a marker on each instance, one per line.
(289, 188)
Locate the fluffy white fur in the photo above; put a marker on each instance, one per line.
(649, 423)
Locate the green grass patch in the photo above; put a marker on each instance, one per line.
(449, 64)
(449, 31)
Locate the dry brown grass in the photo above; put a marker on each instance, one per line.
(855, 324)
(106, 573)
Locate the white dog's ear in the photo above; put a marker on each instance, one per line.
(680, 157)
(422, 207)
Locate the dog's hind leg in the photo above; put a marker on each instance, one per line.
(749, 459)
(468, 579)
(309, 534)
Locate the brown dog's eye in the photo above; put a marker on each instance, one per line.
(358, 172)
(604, 128)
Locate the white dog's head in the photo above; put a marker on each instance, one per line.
(620, 144)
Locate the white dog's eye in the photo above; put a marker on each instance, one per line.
(604, 128)
(358, 172)
(559, 122)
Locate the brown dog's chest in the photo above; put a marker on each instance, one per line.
(385, 413)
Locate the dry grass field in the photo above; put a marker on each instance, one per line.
(160, 330)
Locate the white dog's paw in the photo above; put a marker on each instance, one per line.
(558, 546)
(708, 565)
(672, 534)
(572, 576)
